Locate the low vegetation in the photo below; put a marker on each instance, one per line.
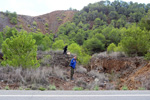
(118, 27)
(12, 17)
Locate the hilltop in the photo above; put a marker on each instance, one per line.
(44, 23)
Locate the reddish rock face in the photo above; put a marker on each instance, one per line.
(133, 72)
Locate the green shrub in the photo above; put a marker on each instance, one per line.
(20, 88)
(51, 31)
(135, 41)
(141, 88)
(46, 43)
(20, 50)
(147, 56)
(96, 88)
(34, 23)
(31, 29)
(38, 30)
(7, 88)
(8, 32)
(1, 39)
(82, 56)
(93, 45)
(124, 87)
(77, 88)
(46, 28)
(13, 20)
(12, 17)
(59, 44)
(42, 89)
(29, 25)
(46, 24)
(111, 48)
(16, 26)
(27, 89)
(52, 87)
(118, 48)
(59, 19)
(21, 26)
(34, 27)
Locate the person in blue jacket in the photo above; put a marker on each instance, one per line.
(73, 65)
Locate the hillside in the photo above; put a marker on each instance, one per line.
(53, 19)
(110, 39)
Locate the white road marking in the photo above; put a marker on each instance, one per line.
(136, 95)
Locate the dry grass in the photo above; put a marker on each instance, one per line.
(81, 69)
(113, 54)
(28, 77)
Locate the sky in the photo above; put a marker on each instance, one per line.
(39, 7)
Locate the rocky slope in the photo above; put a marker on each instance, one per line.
(53, 19)
(104, 72)
(131, 72)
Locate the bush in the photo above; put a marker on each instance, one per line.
(8, 32)
(77, 88)
(141, 88)
(12, 17)
(46, 24)
(13, 20)
(147, 56)
(46, 28)
(21, 26)
(46, 43)
(20, 88)
(135, 41)
(7, 88)
(96, 88)
(93, 45)
(52, 87)
(75, 48)
(38, 30)
(111, 48)
(20, 50)
(82, 56)
(34, 23)
(29, 25)
(27, 89)
(1, 39)
(42, 89)
(59, 44)
(124, 88)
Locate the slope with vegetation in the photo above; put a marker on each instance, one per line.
(47, 23)
(115, 26)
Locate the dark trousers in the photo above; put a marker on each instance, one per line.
(72, 72)
(65, 52)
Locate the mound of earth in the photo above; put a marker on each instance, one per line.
(133, 72)
(53, 19)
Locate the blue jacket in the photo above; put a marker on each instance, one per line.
(73, 63)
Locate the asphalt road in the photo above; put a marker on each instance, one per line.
(74, 95)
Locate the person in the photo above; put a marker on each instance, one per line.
(1, 55)
(65, 49)
(72, 65)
